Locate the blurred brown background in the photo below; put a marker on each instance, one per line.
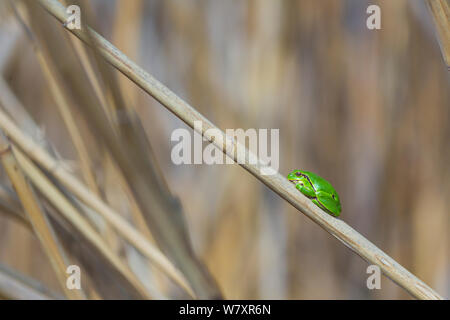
(367, 110)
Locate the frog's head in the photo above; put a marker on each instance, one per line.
(294, 176)
(329, 200)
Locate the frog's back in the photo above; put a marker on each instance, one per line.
(319, 183)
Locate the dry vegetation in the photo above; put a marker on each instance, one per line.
(88, 178)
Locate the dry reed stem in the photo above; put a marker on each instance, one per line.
(98, 269)
(136, 214)
(87, 66)
(79, 190)
(278, 183)
(76, 219)
(66, 114)
(38, 220)
(16, 286)
(126, 32)
(66, 111)
(114, 106)
(10, 206)
(15, 109)
(82, 54)
(440, 10)
(63, 105)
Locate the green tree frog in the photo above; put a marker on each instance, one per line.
(319, 190)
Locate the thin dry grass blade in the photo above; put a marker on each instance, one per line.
(83, 56)
(117, 104)
(106, 279)
(64, 107)
(126, 33)
(80, 191)
(70, 213)
(37, 217)
(66, 110)
(16, 286)
(440, 10)
(162, 210)
(10, 206)
(131, 150)
(17, 111)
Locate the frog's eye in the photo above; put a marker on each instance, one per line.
(333, 197)
(298, 174)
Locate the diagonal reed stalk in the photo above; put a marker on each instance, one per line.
(73, 184)
(16, 286)
(10, 206)
(55, 196)
(65, 108)
(126, 143)
(440, 10)
(279, 184)
(100, 272)
(37, 217)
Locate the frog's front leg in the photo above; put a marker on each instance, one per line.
(306, 190)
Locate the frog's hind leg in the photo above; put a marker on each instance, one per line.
(321, 206)
(317, 203)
